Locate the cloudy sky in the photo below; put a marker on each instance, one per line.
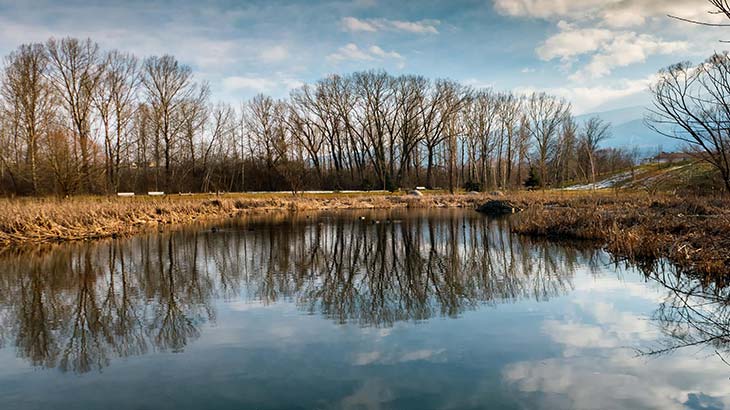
(600, 54)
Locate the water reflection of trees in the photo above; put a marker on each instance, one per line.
(79, 306)
(693, 313)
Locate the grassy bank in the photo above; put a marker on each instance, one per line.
(691, 232)
(30, 220)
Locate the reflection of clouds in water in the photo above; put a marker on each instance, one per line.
(363, 359)
(385, 358)
(623, 381)
(585, 282)
(613, 328)
(600, 370)
(371, 395)
(245, 305)
(577, 334)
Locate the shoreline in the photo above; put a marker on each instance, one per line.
(693, 233)
(32, 221)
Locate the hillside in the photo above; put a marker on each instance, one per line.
(628, 130)
(677, 177)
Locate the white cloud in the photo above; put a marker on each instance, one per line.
(477, 83)
(622, 18)
(608, 48)
(626, 49)
(588, 98)
(596, 37)
(352, 52)
(291, 83)
(632, 13)
(259, 84)
(420, 27)
(547, 8)
(373, 25)
(612, 13)
(274, 54)
(353, 24)
(571, 41)
(379, 52)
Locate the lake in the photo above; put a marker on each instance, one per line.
(402, 309)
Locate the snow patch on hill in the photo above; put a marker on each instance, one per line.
(618, 179)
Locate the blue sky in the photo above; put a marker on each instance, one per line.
(599, 54)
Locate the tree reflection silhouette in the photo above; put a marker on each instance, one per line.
(693, 313)
(77, 307)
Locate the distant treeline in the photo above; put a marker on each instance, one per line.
(77, 119)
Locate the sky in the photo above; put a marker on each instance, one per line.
(598, 54)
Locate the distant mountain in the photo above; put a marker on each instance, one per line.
(628, 130)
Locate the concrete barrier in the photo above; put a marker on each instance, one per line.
(153, 193)
(125, 194)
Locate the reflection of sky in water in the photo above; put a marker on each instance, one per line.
(575, 350)
(602, 324)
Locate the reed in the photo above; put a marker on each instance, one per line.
(34, 220)
(691, 232)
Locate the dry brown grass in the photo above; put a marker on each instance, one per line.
(691, 232)
(27, 221)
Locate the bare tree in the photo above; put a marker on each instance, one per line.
(304, 125)
(545, 115)
(194, 115)
(594, 131)
(481, 122)
(438, 110)
(564, 152)
(267, 136)
(115, 101)
(29, 101)
(720, 7)
(76, 73)
(221, 130)
(692, 105)
(169, 85)
(509, 115)
(409, 92)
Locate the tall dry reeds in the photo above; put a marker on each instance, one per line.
(691, 232)
(82, 218)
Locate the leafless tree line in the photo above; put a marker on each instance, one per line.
(77, 119)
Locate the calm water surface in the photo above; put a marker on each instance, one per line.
(425, 310)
